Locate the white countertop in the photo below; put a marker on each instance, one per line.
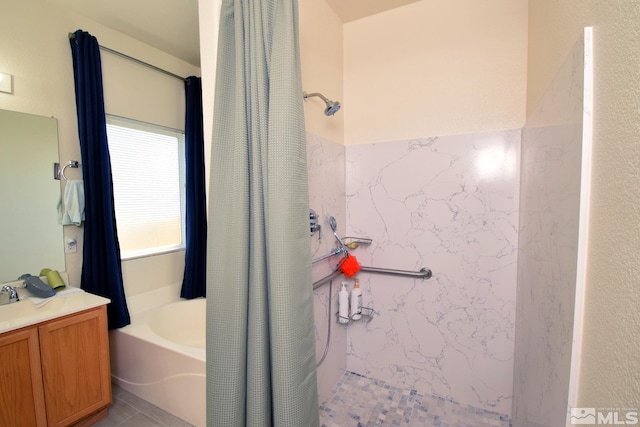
(26, 313)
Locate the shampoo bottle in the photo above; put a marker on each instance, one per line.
(356, 300)
(343, 304)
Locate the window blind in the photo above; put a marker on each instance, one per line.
(147, 163)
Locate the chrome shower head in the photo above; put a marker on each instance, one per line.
(332, 106)
(334, 226)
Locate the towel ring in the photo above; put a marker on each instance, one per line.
(72, 164)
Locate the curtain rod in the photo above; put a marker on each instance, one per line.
(136, 60)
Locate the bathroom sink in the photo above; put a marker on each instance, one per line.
(25, 307)
(25, 313)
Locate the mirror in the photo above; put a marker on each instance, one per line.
(31, 238)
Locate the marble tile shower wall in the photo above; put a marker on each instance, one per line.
(325, 163)
(549, 212)
(450, 204)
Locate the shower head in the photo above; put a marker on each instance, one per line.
(334, 226)
(332, 106)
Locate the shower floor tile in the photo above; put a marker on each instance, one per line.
(357, 401)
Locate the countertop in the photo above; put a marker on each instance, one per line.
(26, 312)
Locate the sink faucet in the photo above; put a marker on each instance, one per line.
(8, 294)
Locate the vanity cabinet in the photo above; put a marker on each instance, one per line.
(21, 390)
(56, 373)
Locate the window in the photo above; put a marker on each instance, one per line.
(147, 165)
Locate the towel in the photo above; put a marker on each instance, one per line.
(73, 206)
(53, 279)
(39, 302)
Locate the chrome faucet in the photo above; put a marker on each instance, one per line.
(8, 294)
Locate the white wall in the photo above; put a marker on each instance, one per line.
(610, 366)
(209, 15)
(435, 67)
(326, 164)
(321, 61)
(321, 57)
(34, 47)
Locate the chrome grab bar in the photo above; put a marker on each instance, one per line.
(318, 283)
(424, 273)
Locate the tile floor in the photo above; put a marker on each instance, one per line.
(128, 410)
(357, 401)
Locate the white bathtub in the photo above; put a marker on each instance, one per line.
(160, 356)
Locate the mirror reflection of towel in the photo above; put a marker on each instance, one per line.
(73, 203)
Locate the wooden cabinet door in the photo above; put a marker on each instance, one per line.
(21, 394)
(75, 365)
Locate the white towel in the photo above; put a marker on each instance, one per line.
(39, 302)
(73, 203)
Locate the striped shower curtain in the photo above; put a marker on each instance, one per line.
(260, 337)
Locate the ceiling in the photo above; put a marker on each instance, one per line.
(172, 26)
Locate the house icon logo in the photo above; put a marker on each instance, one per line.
(583, 416)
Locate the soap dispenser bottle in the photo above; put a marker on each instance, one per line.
(343, 304)
(356, 300)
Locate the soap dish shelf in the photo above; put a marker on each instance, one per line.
(367, 315)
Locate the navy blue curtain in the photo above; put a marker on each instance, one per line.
(194, 282)
(101, 268)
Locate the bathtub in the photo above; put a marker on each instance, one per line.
(160, 356)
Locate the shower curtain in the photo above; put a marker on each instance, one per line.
(260, 335)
